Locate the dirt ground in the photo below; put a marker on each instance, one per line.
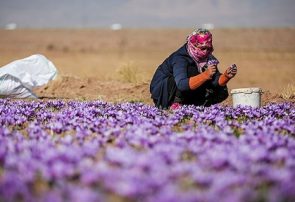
(117, 66)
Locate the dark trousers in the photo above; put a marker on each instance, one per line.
(205, 95)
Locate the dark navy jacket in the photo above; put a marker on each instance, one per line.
(181, 67)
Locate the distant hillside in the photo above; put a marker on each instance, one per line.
(147, 13)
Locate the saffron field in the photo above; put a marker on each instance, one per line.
(60, 150)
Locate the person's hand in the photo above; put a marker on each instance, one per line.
(211, 70)
(231, 71)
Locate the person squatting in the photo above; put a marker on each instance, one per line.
(189, 76)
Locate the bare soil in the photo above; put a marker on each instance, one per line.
(117, 66)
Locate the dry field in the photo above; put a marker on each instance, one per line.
(118, 65)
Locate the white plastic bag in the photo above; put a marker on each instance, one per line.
(18, 78)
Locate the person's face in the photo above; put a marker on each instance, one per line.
(203, 50)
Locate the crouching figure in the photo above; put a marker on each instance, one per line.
(189, 76)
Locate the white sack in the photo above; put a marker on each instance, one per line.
(11, 87)
(18, 78)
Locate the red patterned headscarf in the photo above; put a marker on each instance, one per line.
(199, 45)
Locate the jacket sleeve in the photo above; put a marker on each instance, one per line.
(215, 78)
(180, 73)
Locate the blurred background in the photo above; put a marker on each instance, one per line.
(120, 43)
(146, 13)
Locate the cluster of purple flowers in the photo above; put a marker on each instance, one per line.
(96, 151)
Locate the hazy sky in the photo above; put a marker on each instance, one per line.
(147, 13)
